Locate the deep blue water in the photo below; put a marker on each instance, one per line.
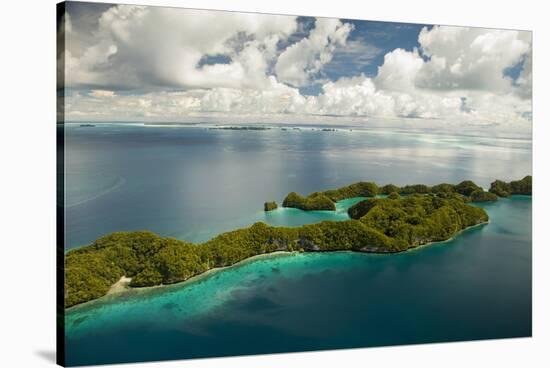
(193, 183)
(477, 286)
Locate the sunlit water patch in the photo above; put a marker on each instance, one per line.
(192, 183)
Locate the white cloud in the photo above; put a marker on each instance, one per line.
(469, 58)
(302, 60)
(399, 71)
(355, 96)
(462, 76)
(457, 74)
(525, 79)
(276, 98)
(140, 47)
(100, 93)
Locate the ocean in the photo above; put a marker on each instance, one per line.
(192, 182)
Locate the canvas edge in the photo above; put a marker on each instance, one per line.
(60, 185)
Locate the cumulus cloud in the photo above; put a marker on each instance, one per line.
(179, 63)
(469, 58)
(525, 78)
(138, 47)
(302, 60)
(356, 96)
(399, 71)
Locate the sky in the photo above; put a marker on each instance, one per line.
(135, 63)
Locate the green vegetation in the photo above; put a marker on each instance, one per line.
(479, 195)
(417, 219)
(326, 200)
(313, 202)
(377, 225)
(394, 195)
(389, 188)
(415, 189)
(418, 216)
(152, 260)
(270, 206)
(523, 186)
(503, 189)
(361, 189)
(322, 200)
(500, 188)
(467, 187)
(443, 188)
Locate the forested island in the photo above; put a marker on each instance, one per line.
(240, 128)
(270, 206)
(406, 218)
(325, 201)
(503, 189)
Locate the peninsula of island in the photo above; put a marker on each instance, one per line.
(390, 219)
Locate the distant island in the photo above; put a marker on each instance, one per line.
(87, 125)
(241, 128)
(153, 123)
(406, 218)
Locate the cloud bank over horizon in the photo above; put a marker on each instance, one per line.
(150, 63)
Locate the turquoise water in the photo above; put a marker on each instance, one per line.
(193, 183)
(116, 307)
(294, 217)
(477, 286)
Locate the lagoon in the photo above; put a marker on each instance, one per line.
(477, 286)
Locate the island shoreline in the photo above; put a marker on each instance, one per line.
(416, 216)
(189, 281)
(280, 253)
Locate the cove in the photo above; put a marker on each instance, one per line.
(476, 286)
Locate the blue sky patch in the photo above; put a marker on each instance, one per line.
(214, 59)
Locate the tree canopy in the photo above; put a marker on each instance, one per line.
(503, 189)
(270, 206)
(409, 216)
(376, 225)
(467, 188)
(315, 201)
